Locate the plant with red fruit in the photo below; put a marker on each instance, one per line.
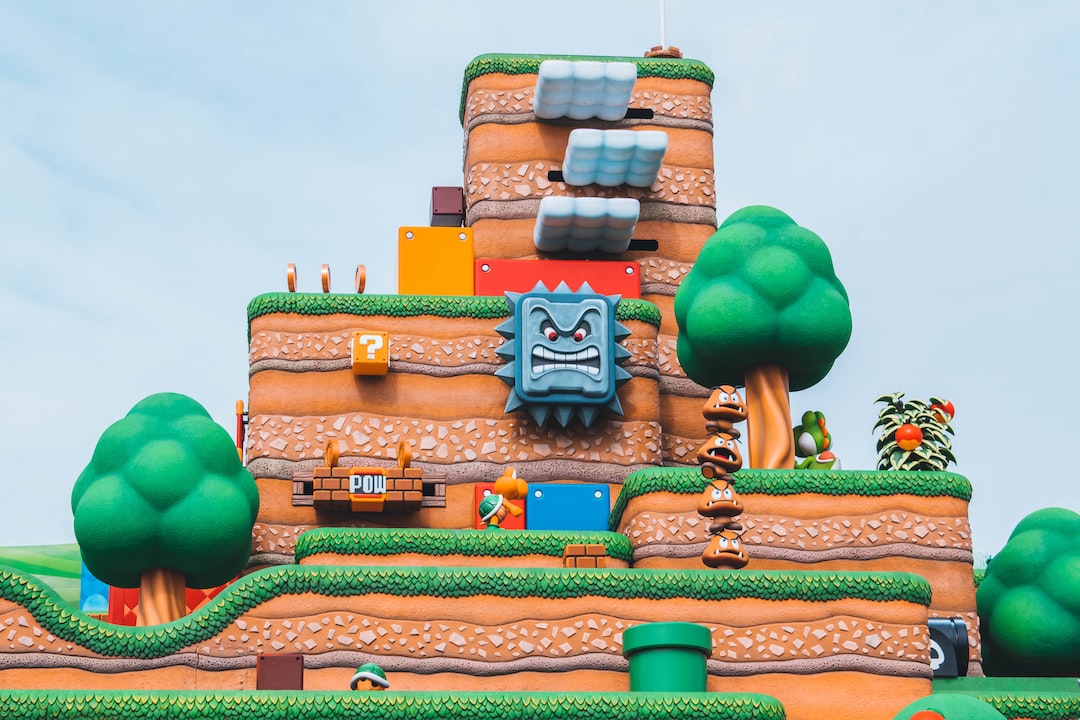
(915, 435)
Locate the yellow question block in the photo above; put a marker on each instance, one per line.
(370, 353)
(435, 261)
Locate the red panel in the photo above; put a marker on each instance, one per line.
(122, 605)
(510, 523)
(124, 602)
(606, 277)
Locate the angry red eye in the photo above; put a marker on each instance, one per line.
(580, 335)
(550, 334)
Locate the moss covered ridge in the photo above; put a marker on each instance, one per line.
(248, 592)
(192, 705)
(670, 68)
(445, 306)
(1041, 706)
(394, 541)
(867, 483)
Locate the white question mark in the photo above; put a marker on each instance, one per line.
(373, 343)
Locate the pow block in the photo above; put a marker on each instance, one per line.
(569, 507)
(606, 277)
(435, 261)
(370, 353)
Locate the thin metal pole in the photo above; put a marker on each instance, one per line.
(663, 31)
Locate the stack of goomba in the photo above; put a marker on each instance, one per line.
(719, 457)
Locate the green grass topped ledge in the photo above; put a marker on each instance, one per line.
(867, 483)
(509, 543)
(445, 306)
(390, 705)
(510, 64)
(57, 618)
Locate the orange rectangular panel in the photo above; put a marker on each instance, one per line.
(606, 277)
(435, 261)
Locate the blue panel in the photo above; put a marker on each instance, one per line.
(93, 595)
(568, 507)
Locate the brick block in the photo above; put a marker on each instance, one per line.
(322, 496)
(395, 496)
(344, 472)
(392, 473)
(413, 472)
(322, 472)
(595, 549)
(574, 550)
(339, 495)
(602, 562)
(586, 562)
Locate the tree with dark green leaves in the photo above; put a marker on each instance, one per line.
(1029, 600)
(164, 504)
(762, 307)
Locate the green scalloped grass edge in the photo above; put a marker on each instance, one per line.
(980, 575)
(392, 541)
(1043, 706)
(867, 483)
(271, 704)
(446, 306)
(511, 64)
(56, 617)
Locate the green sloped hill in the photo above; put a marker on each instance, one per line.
(58, 566)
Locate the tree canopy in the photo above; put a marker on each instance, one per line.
(763, 291)
(165, 489)
(1029, 600)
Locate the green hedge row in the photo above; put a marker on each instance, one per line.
(867, 483)
(251, 590)
(390, 705)
(447, 306)
(391, 541)
(670, 68)
(1045, 706)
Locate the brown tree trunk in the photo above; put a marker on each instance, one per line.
(770, 441)
(161, 596)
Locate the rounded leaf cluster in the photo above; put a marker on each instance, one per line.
(165, 489)
(763, 291)
(1029, 599)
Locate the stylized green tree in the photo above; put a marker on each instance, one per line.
(1029, 600)
(762, 307)
(164, 504)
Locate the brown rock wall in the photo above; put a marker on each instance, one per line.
(493, 95)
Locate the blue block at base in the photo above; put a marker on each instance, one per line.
(568, 507)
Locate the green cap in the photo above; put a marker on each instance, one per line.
(372, 672)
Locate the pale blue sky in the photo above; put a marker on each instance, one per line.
(161, 163)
